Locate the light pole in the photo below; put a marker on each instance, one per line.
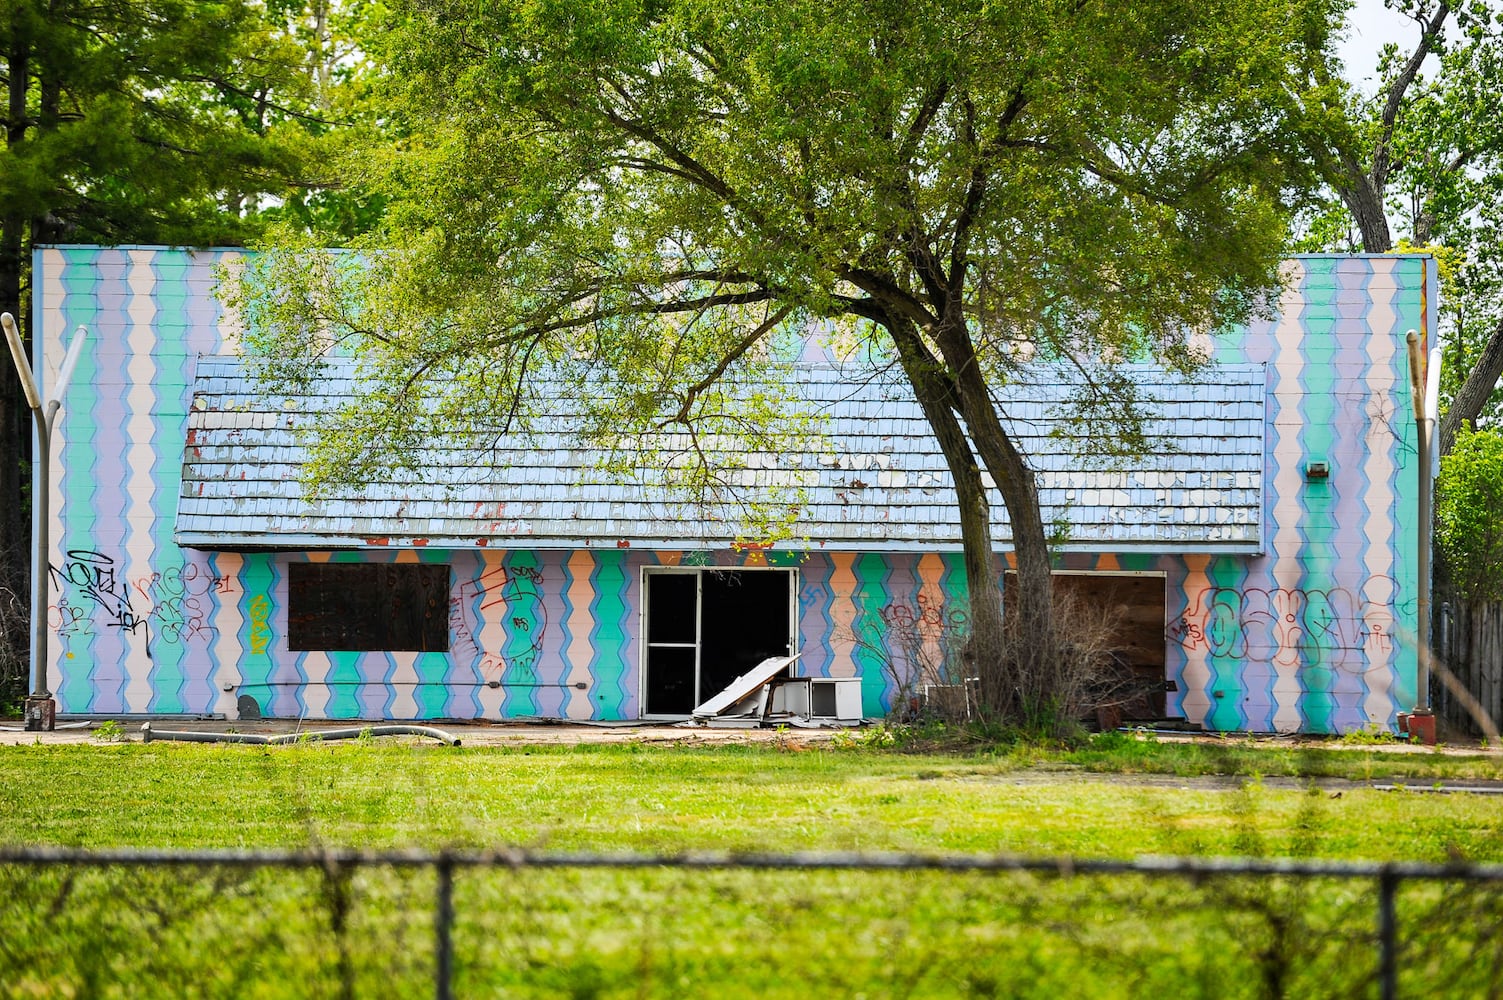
(41, 710)
(1424, 388)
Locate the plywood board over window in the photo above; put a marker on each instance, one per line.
(368, 607)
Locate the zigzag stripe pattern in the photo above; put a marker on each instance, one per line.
(1303, 636)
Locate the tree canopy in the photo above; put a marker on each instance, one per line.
(1469, 514)
(1418, 165)
(646, 191)
(156, 121)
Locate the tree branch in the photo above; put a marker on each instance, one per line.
(1475, 391)
(1382, 159)
(745, 344)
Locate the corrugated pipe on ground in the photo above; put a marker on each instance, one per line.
(354, 733)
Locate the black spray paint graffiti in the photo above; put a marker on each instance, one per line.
(172, 606)
(1292, 628)
(516, 594)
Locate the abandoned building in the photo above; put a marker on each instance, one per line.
(1263, 562)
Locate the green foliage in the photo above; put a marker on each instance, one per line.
(144, 121)
(109, 731)
(591, 168)
(531, 933)
(643, 207)
(1020, 798)
(1372, 735)
(183, 122)
(1423, 156)
(1469, 514)
(369, 931)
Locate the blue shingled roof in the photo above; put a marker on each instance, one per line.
(881, 483)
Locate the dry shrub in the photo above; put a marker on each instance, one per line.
(1048, 690)
(15, 648)
(1045, 692)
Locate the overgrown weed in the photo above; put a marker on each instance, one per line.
(1370, 735)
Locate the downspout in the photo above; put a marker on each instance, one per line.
(1424, 387)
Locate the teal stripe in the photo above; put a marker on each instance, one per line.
(169, 421)
(432, 694)
(343, 677)
(257, 635)
(1227, 648)
(1318, 411)
(610, 640)
(871, 571)
(523, 623)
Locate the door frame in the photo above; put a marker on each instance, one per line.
(644, 647)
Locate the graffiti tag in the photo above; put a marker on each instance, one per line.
(92, 594)
(1292, 628)
(512, 594)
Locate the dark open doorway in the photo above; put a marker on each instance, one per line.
(707, 627)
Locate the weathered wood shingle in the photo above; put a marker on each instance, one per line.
(880, 484)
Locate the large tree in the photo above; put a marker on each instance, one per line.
(1419, 164)
(647, 191)
(146, 121)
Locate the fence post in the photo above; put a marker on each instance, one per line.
(1388, 959)
(443, 923)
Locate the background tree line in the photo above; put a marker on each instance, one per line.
(183, 122)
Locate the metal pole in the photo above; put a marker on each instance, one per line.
(41, 710)
(1388, 960)
(1422, 422)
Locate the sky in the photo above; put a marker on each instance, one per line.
(1373, 26)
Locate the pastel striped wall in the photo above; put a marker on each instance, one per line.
(1314, 634)
(1317, 633)
(134, 616)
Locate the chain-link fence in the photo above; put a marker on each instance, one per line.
(339, 923)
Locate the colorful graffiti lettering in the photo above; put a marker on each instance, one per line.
(929, 616)
(915, 644)
(1290, 627)
(68, 621)
(169, 604)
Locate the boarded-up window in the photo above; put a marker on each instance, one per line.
(390, 607)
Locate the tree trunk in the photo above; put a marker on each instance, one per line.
(1365, 202)
(1475, 391)
(1016, 660)
(984, 653)
(1034, 665)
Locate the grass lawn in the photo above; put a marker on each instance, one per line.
(735, 933)
(1090, 802)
